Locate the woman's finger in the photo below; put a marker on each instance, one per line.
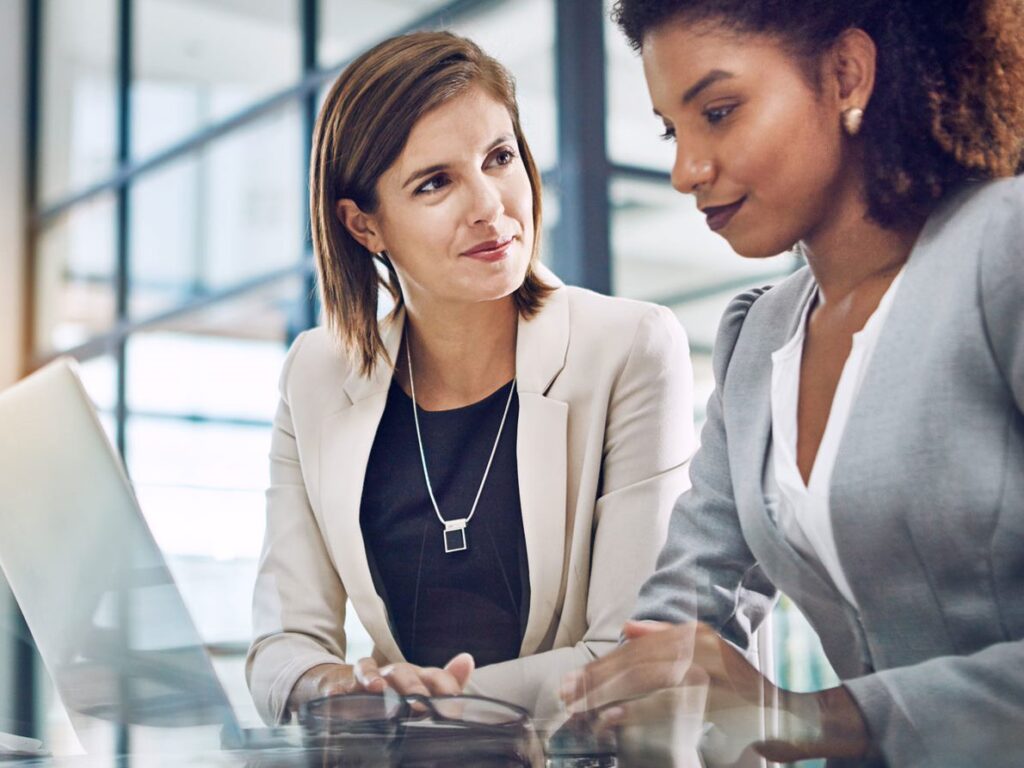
(657, 660)
(405, 678)
(461, 668)
(368, 677)
(634, 629)
(610, 717)
(439, 682)
(643, 678)
(329, 680)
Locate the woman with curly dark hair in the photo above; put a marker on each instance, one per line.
(864, 447)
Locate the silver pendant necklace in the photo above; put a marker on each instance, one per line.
(454, 530)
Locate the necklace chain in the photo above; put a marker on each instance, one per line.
(423, 455)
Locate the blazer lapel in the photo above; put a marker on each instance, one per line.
(748, 455)
(890, 387)
(345, 445)
(748, 391)
(542, 445)
(541, 452)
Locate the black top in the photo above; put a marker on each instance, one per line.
(439, 603)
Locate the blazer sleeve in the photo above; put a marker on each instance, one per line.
(648, 442)
(706, 571)
(298, 601)
(1002, 288)
(969, 710)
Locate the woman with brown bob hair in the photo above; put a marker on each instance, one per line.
(485, 470)
(864, 448)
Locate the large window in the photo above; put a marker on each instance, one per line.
(170, 252)
(170, 257)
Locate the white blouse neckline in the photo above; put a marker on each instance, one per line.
(804, 515)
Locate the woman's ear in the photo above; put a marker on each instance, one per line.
(853, 62)
(362, 226)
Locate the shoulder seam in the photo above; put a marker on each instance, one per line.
(641, 321)
(982, 304)
(745, 301)
(290, 360)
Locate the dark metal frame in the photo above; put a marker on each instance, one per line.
(25, 707)
(310, 38)
(125, 65)
(33, 70)
(122, 246)
(582, 254)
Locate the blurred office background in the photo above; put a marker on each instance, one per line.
(153, 225)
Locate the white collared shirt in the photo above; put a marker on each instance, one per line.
(804, 516)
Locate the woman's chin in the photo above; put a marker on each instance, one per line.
(750, 249)
(480, 294)
(494, 287)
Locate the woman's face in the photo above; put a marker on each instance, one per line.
(758, 147)
(455, 210)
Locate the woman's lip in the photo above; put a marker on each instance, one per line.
(720, 215)
(490, 252)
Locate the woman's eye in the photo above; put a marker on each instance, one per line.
(669, 134)
(433, 184)
(504, 156)
(716, 115)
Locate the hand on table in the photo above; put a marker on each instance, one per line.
(658, 656)
(366, 677)
(739, 700)
(408, 679)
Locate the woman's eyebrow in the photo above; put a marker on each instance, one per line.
(503, 139)
(436, 168)
(416, 175)
(711, 77)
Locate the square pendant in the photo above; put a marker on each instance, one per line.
(454, 540)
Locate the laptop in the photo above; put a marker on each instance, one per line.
(108, 620)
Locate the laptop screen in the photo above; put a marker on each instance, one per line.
(94, 588)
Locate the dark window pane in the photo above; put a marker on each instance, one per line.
(347, 28)
(663, 250)
(78, 136)
(633, 129)
(197, 62)
(75, 276)
(219, 363)
(202, 391)
(231, 212)
(99, 376)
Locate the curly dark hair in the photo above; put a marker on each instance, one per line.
(948, 104)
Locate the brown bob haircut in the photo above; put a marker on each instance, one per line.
(363, 126)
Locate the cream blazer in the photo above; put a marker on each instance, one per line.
(605, 434)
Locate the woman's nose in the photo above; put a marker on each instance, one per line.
(691, 170)
(485, 202)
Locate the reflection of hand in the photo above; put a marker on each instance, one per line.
(327, 680)
(686, 675)
(748, 707)
(661, 730)
(655, 656)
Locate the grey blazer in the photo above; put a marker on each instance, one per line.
(927, 497)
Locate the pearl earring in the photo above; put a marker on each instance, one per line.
(852, 119)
